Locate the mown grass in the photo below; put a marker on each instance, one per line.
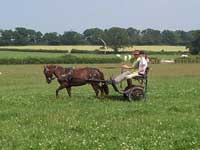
(31, 117)
(156, 48)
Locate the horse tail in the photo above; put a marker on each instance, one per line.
(104, 86)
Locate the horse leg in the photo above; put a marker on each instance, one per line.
(95, 88)
(69, 91)
(58, 89)
(101, 89)
(105, 89)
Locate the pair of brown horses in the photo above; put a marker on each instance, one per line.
(68, 77)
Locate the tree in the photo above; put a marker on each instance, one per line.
(94, 35)
(6, 37)
(194, 45)
(169, 38)
(34, 37)
(116, 38)
(72, 38)
(134, 36)
(51, 38)
(21, 36)
(182, 37)
(150, 37)
(38, 38)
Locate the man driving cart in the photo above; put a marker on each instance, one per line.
(139, 67)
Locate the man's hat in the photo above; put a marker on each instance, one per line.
(136, 52)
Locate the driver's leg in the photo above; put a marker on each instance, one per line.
(130, 76)
(121, 77)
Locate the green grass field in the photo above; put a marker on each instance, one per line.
(9, 54)
(89, 47)
(20, 55)
(31, 117)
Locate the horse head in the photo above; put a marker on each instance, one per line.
(48, 72)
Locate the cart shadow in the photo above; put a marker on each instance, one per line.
(116, 98)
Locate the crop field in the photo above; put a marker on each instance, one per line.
(89, 47)
(32, 118)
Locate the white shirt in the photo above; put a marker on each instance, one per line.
(142, 65)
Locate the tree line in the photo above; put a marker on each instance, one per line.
(114, 37)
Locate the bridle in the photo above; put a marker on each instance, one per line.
(47, 69)
(54, 72)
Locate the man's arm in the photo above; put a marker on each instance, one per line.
(127, 67)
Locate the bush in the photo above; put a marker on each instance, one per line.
(194, 45)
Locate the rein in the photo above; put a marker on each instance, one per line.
(54, 73)
(70, 77)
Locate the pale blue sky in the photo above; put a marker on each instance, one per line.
(78, 15)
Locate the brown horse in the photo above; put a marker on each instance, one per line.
(68, 77)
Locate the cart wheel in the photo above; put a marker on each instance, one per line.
(136, 93)
(127, 90)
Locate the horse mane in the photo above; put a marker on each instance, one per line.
(53, 66)
(50, 65)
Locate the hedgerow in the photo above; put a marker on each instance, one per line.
(66, 59)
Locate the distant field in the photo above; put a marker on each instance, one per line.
(88, 47)
(45, 47)
(160, 48)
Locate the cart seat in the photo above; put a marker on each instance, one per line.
(142, 76)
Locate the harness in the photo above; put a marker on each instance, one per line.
(69, 76)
